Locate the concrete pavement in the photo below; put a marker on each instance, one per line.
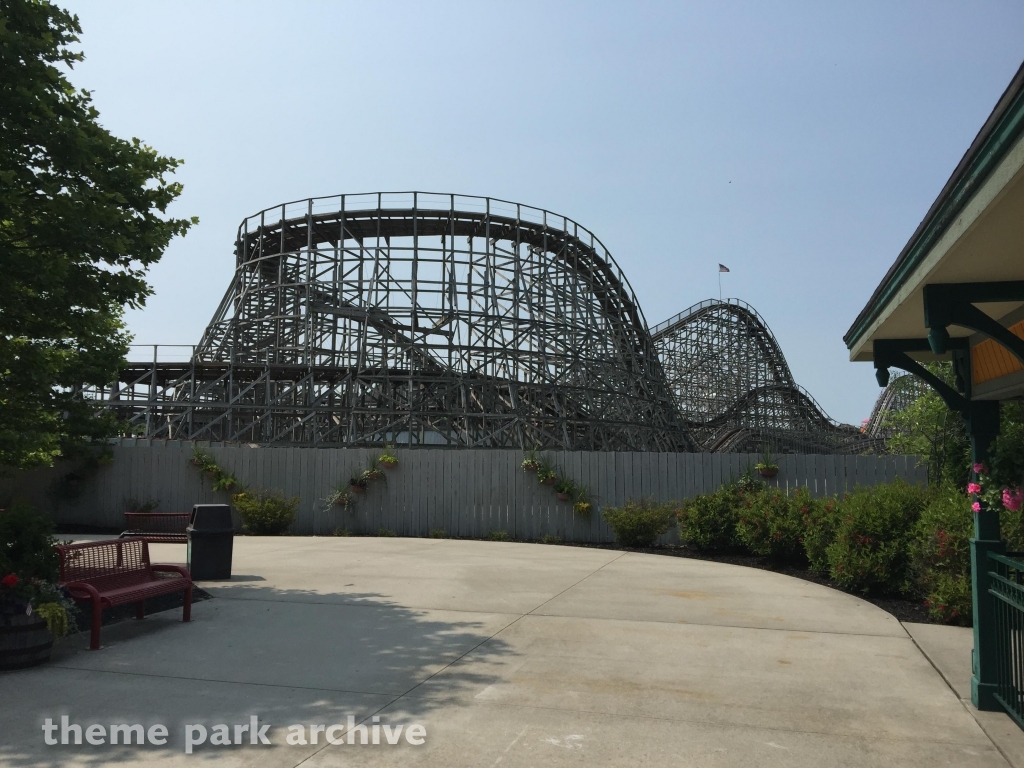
(510, 655)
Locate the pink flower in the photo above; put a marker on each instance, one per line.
(973, 488)
(981, 469)
(1013, 499)
(976, 506)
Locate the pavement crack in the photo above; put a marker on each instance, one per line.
(571, 586)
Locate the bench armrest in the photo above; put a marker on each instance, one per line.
(173, 569)
(80, 586)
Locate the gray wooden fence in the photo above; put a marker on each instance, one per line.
(462, 492)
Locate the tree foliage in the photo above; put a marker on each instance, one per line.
(82, 217)
(928, 428)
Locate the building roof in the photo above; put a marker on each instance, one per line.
(993, 163)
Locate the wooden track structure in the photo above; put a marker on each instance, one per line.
(421, 319)
(415, 319)
(735, 391)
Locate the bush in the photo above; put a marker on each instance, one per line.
(550, 538)
(709, 521)
(265, 513)
(820, 520)
(771, 523)
(29, 568)
(27, 544)
(386, 532)
(438, 533)
(1011, 528)
(639, 523)
(942, 556)
(871, 550)
(499, 536)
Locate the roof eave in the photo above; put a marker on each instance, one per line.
(1002, 128)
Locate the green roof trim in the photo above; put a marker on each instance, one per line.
(999, 133)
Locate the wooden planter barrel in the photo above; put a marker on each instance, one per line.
(24, 641)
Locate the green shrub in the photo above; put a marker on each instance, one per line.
(386, 532)
(550, 538)
(942, 556)
(265, 513)
(499, 536)
(27, 544)
(638, 523)
(342, 532)
(1011, 525)
(949, 598)
(871, 550)
(29, 566)
(771, 522)
(820, 520)
(709, 521)
(438, 533)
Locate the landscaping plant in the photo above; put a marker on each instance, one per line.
(205, 463)
(927, 427)
(639, 523)
(530, 461)
(373, 471)
(820, 520)
(771, 522)
(708, 521)
(871, 550)
(565, 488)
(767, 467)
(265, 513)
(84, 215)
(134, 505)
(29, 568)
(388, 459)
(582, 505)
(339, 498)
(942, 556)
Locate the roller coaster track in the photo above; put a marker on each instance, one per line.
(734, 388)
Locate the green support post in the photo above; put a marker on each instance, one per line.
(983, 426)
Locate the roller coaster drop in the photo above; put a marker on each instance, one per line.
(423, 319)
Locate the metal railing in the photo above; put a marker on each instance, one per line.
(1007, 589)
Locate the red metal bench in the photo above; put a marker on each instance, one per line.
(162, 527)
(116, 572)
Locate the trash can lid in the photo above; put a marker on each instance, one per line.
(207, 517)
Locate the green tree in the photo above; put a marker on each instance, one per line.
(928, 428)
(82, 217)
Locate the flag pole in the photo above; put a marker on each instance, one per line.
(719, 283)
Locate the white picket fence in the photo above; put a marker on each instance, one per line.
(462, 492)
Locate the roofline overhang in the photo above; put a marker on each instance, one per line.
(999, 133)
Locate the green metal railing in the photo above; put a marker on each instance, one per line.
(1007, 587)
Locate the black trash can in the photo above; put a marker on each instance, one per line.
(210, 541)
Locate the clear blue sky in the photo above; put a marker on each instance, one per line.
(798, 143)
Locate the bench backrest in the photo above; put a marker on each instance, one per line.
(106, 564)
(158, 522)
